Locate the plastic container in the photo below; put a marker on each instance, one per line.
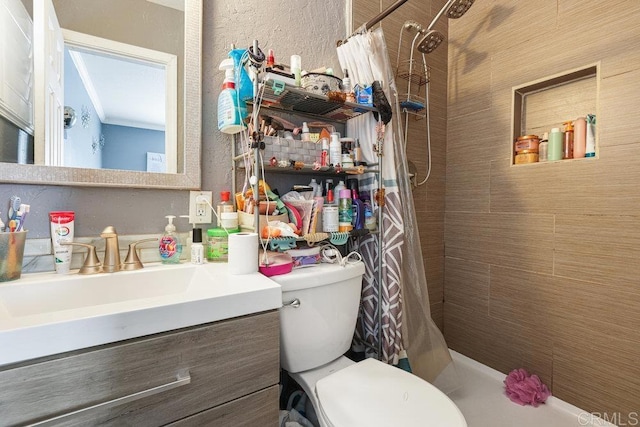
(580, 138)
(197, 249)
(527, 142)
(224, 206)
(170, 246)
(229, 111)
(345, 211)
(330, 219)
(567, 144)
(11, 254)
(524, 158)
(218, 244)
(335, 149)
(543, 148)
(555, 145)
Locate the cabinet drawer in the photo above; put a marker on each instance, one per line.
(224, 361)
(258, 409)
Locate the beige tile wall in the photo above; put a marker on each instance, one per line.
(429, 198)
(540, 261)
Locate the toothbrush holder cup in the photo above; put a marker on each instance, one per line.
(11, 254)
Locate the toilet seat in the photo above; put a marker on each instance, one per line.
(374, 394)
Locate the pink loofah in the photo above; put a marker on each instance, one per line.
(525, 389)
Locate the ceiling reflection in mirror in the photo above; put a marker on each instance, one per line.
(99, 131)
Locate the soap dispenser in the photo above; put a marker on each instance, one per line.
(170, 246)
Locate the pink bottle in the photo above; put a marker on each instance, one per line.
(579, 137)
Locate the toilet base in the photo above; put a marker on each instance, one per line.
(308, 379)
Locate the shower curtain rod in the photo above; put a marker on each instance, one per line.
(379, 17)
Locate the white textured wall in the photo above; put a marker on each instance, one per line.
(307, 28)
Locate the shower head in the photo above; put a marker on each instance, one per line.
(430, 41)
(458, 8)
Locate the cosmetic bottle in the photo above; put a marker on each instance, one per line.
(197, 249)
(337, 189)
(170, 246)
(567, 145)
(347, 88)
(579, 138)
(230, 112)
(224, 206)
(555, 145)
(305, 132)
(357, 211)
(543, 148)
(591, 136)
(335, 149)
(345, 211)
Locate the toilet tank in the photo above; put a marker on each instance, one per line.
(321, 329)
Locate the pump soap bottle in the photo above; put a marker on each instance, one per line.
(170, 246)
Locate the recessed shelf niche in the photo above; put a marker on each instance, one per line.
(546, 103)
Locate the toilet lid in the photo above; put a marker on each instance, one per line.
(373, 394)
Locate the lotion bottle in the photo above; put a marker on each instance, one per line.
(170, 246)
(335, 149)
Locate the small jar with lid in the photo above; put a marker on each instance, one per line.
(527, 142)
(218, 244)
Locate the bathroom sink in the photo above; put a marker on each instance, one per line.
(43, 314)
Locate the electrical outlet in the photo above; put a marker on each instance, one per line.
(200, 205)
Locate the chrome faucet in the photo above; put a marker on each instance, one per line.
(111, 261)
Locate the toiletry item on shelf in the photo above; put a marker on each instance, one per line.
(337, 189)
(579, 138)
(224, 206)
(555, 144)
(525, 156)
(230, 112)
(335, 149)
(370, 221)
(218, 244)
(324, 154)
(314, 185)
(229, 220)
(358, 211)
(1, 226)
(347, 88)
(345, 211)
(170, 246)
(330, 219)
(62, 225)
(328, 189)
(197, 249)
(590, 150)
(543, 148)
(22, 216)
(295, 65)
(357, 154)
(305, 132)
(567, 144)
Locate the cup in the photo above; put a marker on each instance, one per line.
(11, 254)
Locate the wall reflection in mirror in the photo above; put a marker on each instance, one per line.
(118, 94)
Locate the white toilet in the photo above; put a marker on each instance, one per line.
(317, 320)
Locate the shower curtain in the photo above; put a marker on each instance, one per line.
(406, 319)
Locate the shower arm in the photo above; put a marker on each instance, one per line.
(439, 15)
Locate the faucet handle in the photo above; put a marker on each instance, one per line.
(91, 263)
(132, 261)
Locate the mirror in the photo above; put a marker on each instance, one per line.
(187, 121)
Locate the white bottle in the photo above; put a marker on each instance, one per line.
(305, 132)
(335, 149)
(197, 249)
(315, 186)
(336, 191)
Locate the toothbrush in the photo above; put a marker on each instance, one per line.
(22, 213)
(1, 225)
(14, 206)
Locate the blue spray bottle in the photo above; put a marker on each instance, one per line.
(230, 112)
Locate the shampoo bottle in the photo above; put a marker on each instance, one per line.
(335, 150)
(591, 136)
(170, 246)
(358, 211)
(579, 138)
(230, 112)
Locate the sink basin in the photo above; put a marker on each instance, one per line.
(44, 314)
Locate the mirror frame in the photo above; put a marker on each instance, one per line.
(189, 179)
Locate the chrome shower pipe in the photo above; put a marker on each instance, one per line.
(453, 14)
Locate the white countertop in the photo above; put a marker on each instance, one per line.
(44, 313)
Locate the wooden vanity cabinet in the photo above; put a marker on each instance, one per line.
(219, 374)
